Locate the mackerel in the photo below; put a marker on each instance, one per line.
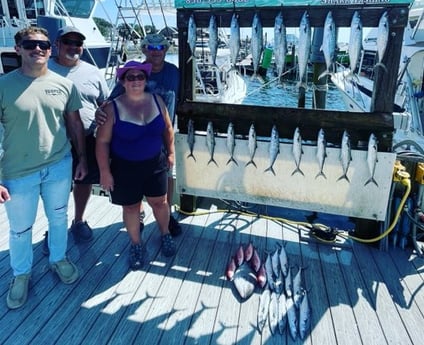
(210, 142)
(304, 47)
(252, 145)
(291, 317)
(321, 152)
(345, 155)
(288, 284)
(284, 261)
(264, 301)
(273, 313)
(372, 158)
(231, 143)
(329, 45)
(280, 44)
(275, 262)
(304, 316)
(355, 41)
(190, 138)
(382, 38)
(256, 43)
(297, 151)
(234, 39)
(274, 148)
(282, 314)
(192, 36)
(213, 38)
(297, 288)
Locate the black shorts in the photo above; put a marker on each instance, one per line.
(93, 175)
(134, 180)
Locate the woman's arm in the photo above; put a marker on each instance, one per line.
(103, 139)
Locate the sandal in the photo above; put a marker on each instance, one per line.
(168, 245)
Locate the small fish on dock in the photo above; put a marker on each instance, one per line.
(239, 255)
(252, 145)
(345, 155)
(284, 261)
(282, 313)
(372, 158)
(210, 142)
(244, 280)
(231, 268)
(190, 138)
(321, 152)
(255, 262)
(274, 148)
(264, 301)
(288, 284)
(273, 313)
(231, 143)
(297, 288)
(304, 317)
(248, 252)
(261, 276)
(292, 317)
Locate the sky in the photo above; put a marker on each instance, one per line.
(158, 20)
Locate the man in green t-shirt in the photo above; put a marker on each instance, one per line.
(39, 112)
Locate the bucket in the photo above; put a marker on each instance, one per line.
(266, 58)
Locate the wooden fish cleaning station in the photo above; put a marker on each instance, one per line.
(366, 203)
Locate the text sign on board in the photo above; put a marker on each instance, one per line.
(270, 3)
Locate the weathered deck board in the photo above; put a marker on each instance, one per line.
(358, 294)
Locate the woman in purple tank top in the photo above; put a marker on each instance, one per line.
(132, 162)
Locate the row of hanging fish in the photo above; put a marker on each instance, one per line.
(274, 150)
(284, 301)
(328, 47)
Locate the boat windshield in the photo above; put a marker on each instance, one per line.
(74, 8)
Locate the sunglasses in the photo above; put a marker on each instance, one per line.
(134, 77)
(73, 43)
(32, 44)
(157, 47)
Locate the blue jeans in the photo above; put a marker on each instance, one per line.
(53, 184)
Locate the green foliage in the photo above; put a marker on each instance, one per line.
(104, 26)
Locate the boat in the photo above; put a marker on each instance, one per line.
(51, 15)
(357, 88)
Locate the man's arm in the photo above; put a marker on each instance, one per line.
(75, 130)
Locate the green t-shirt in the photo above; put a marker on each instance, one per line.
(32, 113)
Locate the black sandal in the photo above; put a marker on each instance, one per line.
(168, 245)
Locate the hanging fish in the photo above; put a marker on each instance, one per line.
(231, 143)
(280, 44)
(304, 317)
(210, 142)
(304, 48)
(264, 301)
(252, 145)
(345, 155)
(256, 43)
(329, 45)
(274, 148)
(213, 38)
(321, 152)
(372, 158)
(382, 38)
(355, 41)
(297, 151)
(192, 36)
(190, 138)
(234, 39)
